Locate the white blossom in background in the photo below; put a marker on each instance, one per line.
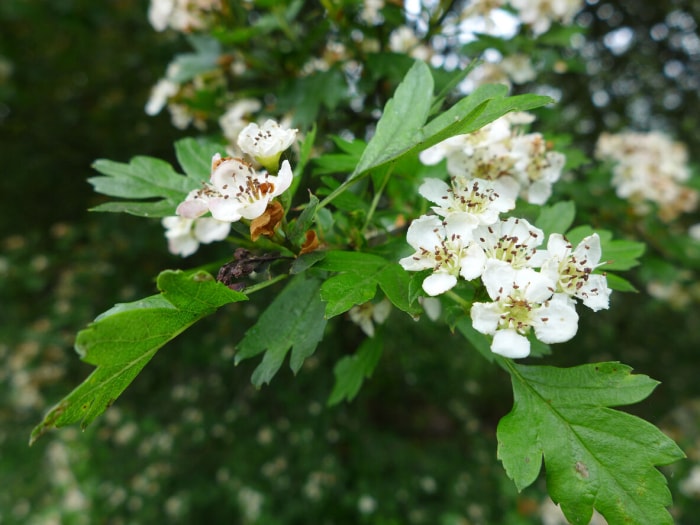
(371, 12)
(483, 200)
(404, 40)
(235, 191)
(367, 314)
(234, 119)
(512, 69)
(185, 235)
(522, 300)
(690, 486)
(536, 167)
(160, 94)
(266, 143)
(571, 270)
(446, 248)
(694, 232)
(181, 15)
(649, 168)
(519, 68)
(539, 14)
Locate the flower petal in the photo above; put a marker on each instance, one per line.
(557, 320)
(510, 343)
(435, 190)
(438, 283)
(485, 317)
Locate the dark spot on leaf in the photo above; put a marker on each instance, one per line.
(582, 469)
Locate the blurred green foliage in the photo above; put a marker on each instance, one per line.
(192, 439)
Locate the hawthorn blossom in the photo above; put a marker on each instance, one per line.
(446, 248)
(185, 235)
(649, 168)
(500, 151)
(233, 121)
(266, 143)
(235, 191)
(483, 200)
(367, 314)
(513, 241)
(539, 14)
(536, 167)
(160, 94)
(571, 270)
(404, 40)
(181, 15)
(522, 300)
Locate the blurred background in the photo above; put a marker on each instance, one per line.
(191, 439)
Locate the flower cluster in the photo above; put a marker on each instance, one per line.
(235, 191)
(537, 14)
(182, 15)
(500, 151)
(531, 289)
(649, 167)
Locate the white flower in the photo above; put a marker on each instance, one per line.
(235, 191)
(404, 40)
(160, 93)
(540, 14)
(181, 15)
(519, 68)
(365, 315)
(233, 121)
(572, 271)
(185, 235)
(694, 232)
(371, 12)
(649, 167)
(482, 199)
(446, 248)
(536, 167)
(522, 300)
(512, 240)
(159, 13)
(265, 144)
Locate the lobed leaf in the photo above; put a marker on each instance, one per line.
(556, 218)
(351, 371)
(359, 275)
(293, 320)
(595, 457)
(123, 340)
(195, 157)
(403, 116)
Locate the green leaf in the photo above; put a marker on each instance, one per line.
(615, 282)
(342, 292)
(595, 457)
(123, 340)
(186, 66)
(556, 218)
(195, 157)
(151, 178)
(161, 208)
(293, 320)
(481, 342)
(351, 371)
(297, 233)
(400, 131)
(359, 275)
(403, 116)
(142, 178)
